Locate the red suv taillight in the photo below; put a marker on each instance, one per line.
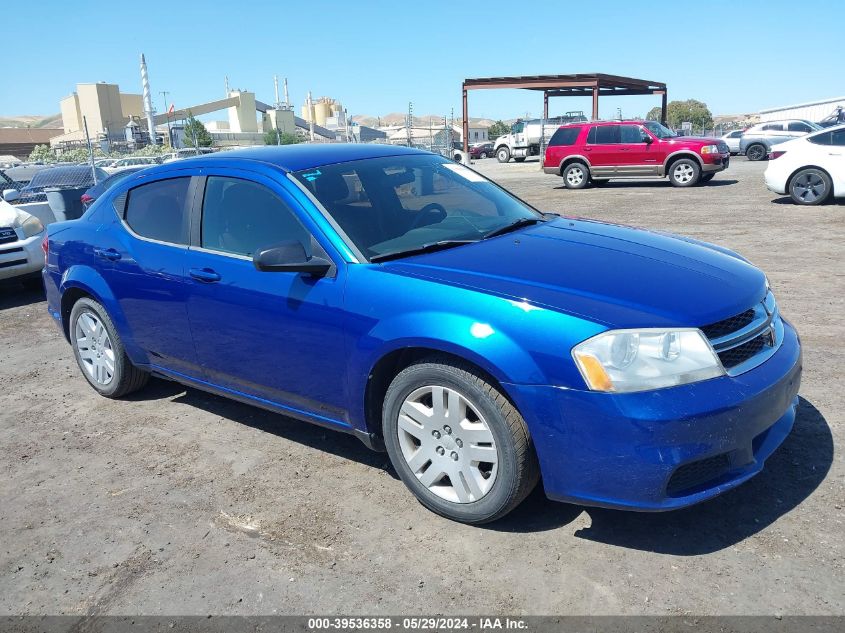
(45, 246)
(86, 199)
(773, 155)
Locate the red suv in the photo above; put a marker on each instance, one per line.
(595, 152)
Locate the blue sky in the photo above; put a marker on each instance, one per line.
(374, 57)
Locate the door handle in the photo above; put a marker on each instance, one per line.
(587, 149)
(205, 275)
(107, 253)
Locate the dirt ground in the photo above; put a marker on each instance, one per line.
(177, 502)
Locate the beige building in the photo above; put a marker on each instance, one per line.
(105, 108)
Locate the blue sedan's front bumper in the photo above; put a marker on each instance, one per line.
(662, 449)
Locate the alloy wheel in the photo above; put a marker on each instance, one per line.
(683, 173)
(809, 187)
(575, 176)
(756, 152)
(94, 347)
(447, 444)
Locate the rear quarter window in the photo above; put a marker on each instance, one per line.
(158, 210)
(565, 136)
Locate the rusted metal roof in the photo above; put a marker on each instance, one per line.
(570, 84)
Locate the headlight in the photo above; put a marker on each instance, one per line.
(29, 223)
(710, 149)
(639, 360)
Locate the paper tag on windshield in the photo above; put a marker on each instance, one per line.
(462, 171)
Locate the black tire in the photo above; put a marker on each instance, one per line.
(503, 154)
(457, 158)
(684, 172)
(576, 175)
(483, 155)
(756, 152)
(517, 471)
(706, 178)
(126, 377)
(598, 182)
(810, 186)
(519, 159)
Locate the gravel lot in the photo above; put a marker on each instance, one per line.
(177, 502)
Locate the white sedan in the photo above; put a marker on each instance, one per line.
(731, 139)
(21, 256)
(811, 168)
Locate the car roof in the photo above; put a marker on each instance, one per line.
(619, 122)
(294, 157)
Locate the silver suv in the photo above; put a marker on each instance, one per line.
(757, 141)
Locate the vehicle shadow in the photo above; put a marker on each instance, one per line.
(15, 295)
(833, 202)
(795, 470)
(311, 435)
(653, 184)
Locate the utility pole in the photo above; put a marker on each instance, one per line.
(410, 121)
(90, 151)
(164, 94)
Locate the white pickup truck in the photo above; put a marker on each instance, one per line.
(525, 136)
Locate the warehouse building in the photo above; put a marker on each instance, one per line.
(812, 111)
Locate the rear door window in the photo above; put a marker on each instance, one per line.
(157, 211)
(565, 136)
(773, 127)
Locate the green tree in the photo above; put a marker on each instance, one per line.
(283, 138)
(696, 112)
(499, 128)
(195, 128)
(654, 114)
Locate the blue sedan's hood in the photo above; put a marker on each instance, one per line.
(611, 274)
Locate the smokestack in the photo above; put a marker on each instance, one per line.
(276, 86)
(287, 101)
(310, 117)
(148, 101)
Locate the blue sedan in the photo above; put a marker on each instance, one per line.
(398, 296)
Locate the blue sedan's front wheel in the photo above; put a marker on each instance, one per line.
(457, 442)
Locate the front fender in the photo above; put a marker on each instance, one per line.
(91, 282)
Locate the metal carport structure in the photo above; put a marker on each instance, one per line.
(578, 85)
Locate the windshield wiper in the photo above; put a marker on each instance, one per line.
(513, 226)
(425, 248)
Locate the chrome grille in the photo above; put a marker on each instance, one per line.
(747, 339)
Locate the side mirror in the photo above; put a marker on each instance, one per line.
(290, 257)
(10, 195)
(647, 139)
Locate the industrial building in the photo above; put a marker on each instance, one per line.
(811, 111)
(20, 141)
(105, 109)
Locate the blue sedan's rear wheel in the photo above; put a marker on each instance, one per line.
(457, 442)
(99, 351)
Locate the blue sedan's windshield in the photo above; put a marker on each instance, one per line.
(390, 205)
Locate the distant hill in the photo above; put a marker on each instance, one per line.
(32, 120)
(398, 118)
